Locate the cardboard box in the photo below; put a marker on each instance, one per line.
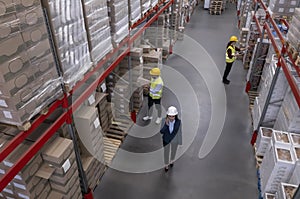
(14, 66)
(57, 151)
(281, 139)
(34, 34)
(287, 191)
(41, 49)
(270, 196)
(67, 187)
(9, 25)
(55, 195)
(64, 168)
(11, 47)
(61, 180)
(295, 139)
(30, 17)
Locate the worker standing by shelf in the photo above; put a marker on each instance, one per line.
(154, 97)
(231, 50)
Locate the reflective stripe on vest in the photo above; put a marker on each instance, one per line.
(232, 52)
(153, 84)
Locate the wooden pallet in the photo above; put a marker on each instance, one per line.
(258, 158)
(111, 147)
(252, 95)
(214, 12)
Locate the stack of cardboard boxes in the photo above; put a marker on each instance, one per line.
(119, 20)
(145, 6)
(134, 11)
(263, 140)
(28, 79)
(71, 44)
(294, 33)
(89, 130)
(256, 66)
(278, 92)
(280, 162)
(63, 172)
(155, 33)
(26, 184)
(282, 7)
(289, 114)
(98, 29)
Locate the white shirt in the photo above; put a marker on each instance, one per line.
(171, 126)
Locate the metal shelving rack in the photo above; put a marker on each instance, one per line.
(114, 57)
(280, 63)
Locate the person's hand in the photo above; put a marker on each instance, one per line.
(167, 121)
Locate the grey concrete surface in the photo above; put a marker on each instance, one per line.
(228, 171)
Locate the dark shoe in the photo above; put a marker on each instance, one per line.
(171, 165)
(166, 169)
(226, 81)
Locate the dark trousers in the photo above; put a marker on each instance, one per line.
(227, 70)
(157, 106)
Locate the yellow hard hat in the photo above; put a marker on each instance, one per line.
(233, 38)
(155, 71)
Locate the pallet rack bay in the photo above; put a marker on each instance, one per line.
(94, 76)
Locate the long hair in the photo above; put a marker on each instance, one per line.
(176, 117)
(229, 44)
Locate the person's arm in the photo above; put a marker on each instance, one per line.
(156, 89)
(164, 126)
(179, 134)
(229, 52)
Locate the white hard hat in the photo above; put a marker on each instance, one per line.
(172, 110)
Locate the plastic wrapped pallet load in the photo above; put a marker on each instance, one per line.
(29, 80)
(119, 21)
(134, 11)
(98, 29)
(70, 38)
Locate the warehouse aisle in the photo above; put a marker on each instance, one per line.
(228, 171)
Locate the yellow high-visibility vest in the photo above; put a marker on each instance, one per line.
(228, 60)
(153, 84)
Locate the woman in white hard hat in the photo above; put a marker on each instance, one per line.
(171, 136)
(230, 57)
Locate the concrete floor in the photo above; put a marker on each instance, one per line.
(228, 170)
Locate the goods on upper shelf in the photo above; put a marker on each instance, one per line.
(134, 11)
(294, 33)
(257, 63)
(29, 81)
(70, 38)
(282, 8)
(119, 21)
(98, 28)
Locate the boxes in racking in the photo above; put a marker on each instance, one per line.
(270, 196)
(277, 166)
(287, 191)
(97, 26)
(281, 139)
(295, 139)
(58, 151)
(263, 140)
(70, 38)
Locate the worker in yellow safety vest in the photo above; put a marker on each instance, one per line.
(154, 97)
(231, 51)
